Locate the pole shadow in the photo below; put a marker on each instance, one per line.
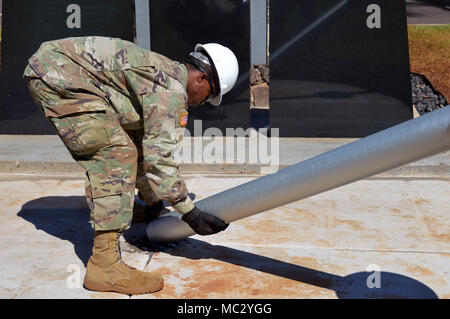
(353, 286)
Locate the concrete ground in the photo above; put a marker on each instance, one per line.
(326, 246)
(383, 237)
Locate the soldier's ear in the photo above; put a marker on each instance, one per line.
(203, 77)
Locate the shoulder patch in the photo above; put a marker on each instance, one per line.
(184, 119)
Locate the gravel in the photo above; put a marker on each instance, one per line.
(425, 98)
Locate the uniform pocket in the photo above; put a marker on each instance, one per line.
(83, 134)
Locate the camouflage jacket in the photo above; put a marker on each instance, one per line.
(146, 89)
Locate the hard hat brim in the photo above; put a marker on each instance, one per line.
(216, 101)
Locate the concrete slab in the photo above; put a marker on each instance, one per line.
(252, 272)
(392, 233)
(46, 154)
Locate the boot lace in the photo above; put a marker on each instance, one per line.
(118, 252)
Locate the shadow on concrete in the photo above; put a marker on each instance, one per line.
(68, 219)
(353, 286)
(64, 217)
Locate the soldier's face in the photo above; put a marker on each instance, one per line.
(197, 89)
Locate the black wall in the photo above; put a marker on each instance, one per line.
(177, 25)
(28, 23)
(341, 79)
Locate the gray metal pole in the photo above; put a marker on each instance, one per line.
(239, 87)
(258, 32)
(401, 144)
(142, 8)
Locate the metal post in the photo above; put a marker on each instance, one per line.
(258, 32)
(401, 144)
(241, 83)
(142, 8)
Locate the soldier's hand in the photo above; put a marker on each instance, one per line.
(203, 223)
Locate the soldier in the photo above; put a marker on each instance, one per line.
(121, 111)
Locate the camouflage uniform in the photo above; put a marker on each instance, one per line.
(120, 110)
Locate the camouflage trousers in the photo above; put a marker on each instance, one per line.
(110, 157)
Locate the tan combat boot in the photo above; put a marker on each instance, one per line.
(106, 271)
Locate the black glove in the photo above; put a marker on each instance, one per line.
(203, 223)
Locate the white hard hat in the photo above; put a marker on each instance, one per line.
(225, 65)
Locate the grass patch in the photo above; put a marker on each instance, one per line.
(429, 51)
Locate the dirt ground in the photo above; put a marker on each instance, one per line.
(429, 49)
